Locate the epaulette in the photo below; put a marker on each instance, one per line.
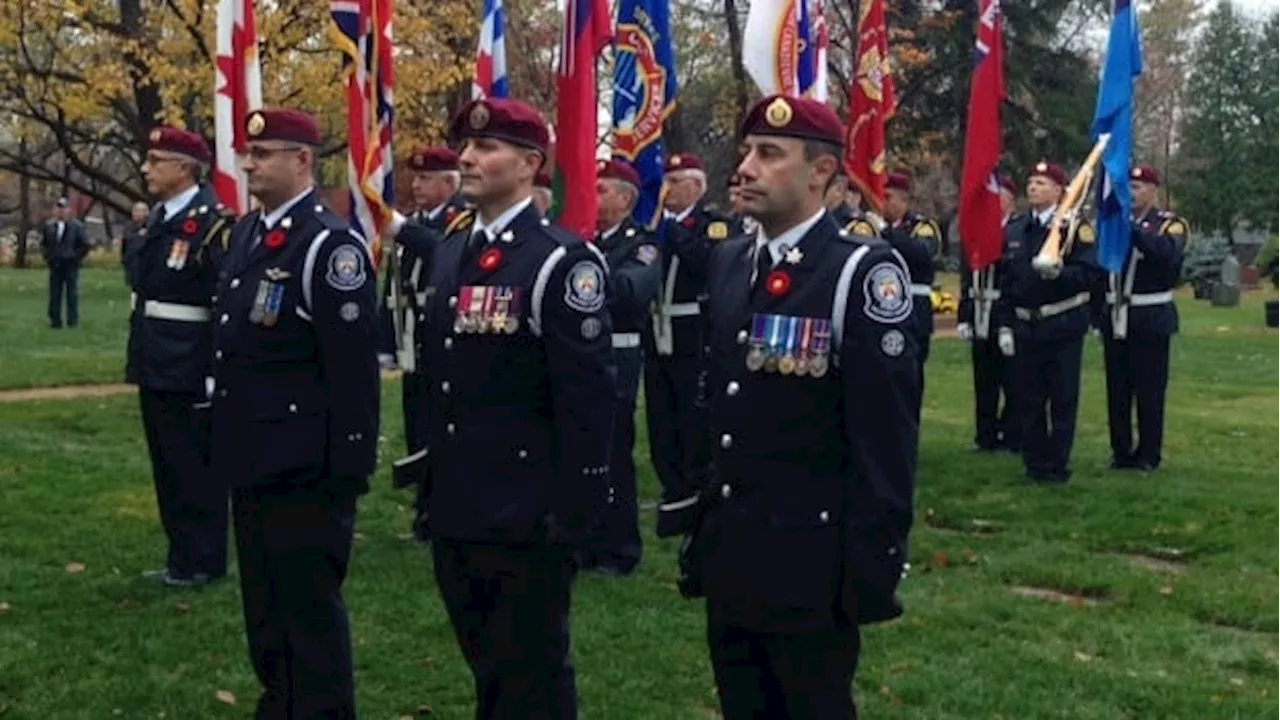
(861, 227)
(926, 229)
(1173, 225)
(463, 221)
(855, 237)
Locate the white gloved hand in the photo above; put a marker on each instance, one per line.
(397, 222)
(1006, 342)
(964, 331)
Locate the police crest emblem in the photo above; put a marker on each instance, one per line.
(346, 269)
(584, 287)
(888, 294)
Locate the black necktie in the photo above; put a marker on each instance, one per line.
(764, 264)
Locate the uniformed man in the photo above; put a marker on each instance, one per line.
(1043, 316)
(837, 199)
(634, 279)
(295, 417)
(435, 193)
(1140, 318)
(813, 381)
(174, 273)
(996, 425)
(521, 378)
(737, 217)
(919, 240)
(542, 192)
(677, 421)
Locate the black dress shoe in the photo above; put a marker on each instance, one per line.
(1124, 462)
(1044, 477)
(187, 581)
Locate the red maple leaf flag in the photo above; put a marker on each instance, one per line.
(587, 30)
(872, 101)
(980, 217)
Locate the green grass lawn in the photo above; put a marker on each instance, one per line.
(1171, 578)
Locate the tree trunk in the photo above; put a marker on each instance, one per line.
(735, 49)
(24, 211)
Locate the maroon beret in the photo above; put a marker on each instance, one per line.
(684, 161)
(282, 124)
(542, 180)
(167, 139)
(616, 169)
(1054, 172)
(795, 117)
(1006, 183)
(503, 119)
(898, 181)
(1147, 174)
(433, 159)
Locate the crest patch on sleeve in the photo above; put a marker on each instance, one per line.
(647, 254)
(346, 268)
(584, 287)
(888, 294)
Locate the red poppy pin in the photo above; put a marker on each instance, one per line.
(274, 240)
(777, 283)
(490, 259)
(688, 222)
(189, 227)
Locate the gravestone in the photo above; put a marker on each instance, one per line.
(1226, 293)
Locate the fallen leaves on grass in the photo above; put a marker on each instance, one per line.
(181, 607)
(1083, 656)
(225, 697)
(4, 607)
(75, 567)
(1166, 590)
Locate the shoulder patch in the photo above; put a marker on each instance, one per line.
(584, 287)
(346, 268)
(463, 221)
(718, 230)
(887, 293)
(1085, 234)
(647, 253)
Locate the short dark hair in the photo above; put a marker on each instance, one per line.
(814, 149)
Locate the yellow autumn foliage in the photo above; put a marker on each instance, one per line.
(86, 65)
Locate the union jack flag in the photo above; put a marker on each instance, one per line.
(491, 54)
(361, 29)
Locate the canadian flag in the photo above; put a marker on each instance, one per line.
(237, 92)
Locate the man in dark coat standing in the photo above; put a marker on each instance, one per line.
(64, 247)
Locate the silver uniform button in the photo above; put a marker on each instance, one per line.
(225, 317)
(824, 516)
(726, 441)
(726, 491)
(218, 355)
(523, 454)
(450, 428)
(444, 387)
(448, 343)
(732, 388)
(453, 301)
(293, 407)
(742, 337)
(235, 283)
(892, 550)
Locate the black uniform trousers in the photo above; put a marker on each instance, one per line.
(509, 605)
(678, 422)
(294, 544)
(616, 542)
(1137, 370)
(64, 280)
(192, 502)
(413, 398)
(1050, 374)
(796, 676)
(996, 425)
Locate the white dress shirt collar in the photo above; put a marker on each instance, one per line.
(273, 218)
(174, 205)
(500, 223)
(779, 246)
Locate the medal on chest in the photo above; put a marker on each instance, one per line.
(178, 254)
(789, 345)
(484, 309)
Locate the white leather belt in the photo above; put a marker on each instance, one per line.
(171, 311)
(686, 309)
(622, 341)
(1056, 308)
(987, 295)
(1144, 299)
(921, 290)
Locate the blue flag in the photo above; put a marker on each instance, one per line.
(1114, 116)
(644, 95)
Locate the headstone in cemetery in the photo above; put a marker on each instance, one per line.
(1226, 293)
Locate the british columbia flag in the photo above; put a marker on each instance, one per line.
(491, 54)
(361, 29)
